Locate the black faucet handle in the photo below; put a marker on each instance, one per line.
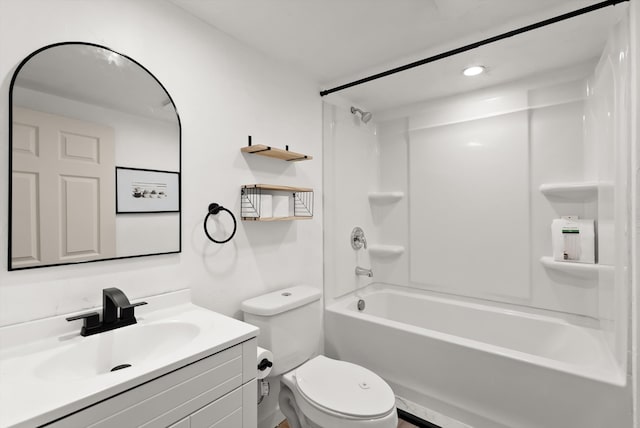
(133, 305)
(91, 321)
(89, 317)
(126, 312)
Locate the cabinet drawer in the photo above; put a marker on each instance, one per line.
(220, 414)
(167, 399)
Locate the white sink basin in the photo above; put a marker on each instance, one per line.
(134, 345)
(47, 370)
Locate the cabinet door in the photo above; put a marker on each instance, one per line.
(184, 423)
(234, 420)
(220, 411)
(250, 404)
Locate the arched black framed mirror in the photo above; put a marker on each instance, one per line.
(95, 159)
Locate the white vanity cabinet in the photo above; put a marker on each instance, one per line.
(217, 391)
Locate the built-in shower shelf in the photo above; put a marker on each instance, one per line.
(582, 270)
(576, 190)
(385, 197)
(273, 152)
(380, 250)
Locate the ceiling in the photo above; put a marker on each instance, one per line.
(336, 41)
(570, 49)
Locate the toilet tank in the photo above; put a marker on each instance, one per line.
(290, 322)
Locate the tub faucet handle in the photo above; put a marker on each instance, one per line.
(358, 239)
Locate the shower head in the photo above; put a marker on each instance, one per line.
(365, 116)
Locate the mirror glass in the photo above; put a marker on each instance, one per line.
(95, 159)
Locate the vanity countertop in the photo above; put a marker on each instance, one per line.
(47, 370)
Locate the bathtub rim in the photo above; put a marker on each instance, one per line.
(614, 375)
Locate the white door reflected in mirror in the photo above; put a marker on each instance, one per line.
(61, 176)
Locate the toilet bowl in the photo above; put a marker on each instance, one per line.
(316, 391)
(329, 393)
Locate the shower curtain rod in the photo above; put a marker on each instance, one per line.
(474, 45)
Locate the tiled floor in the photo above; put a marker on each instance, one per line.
(405, 424)
(401, 424)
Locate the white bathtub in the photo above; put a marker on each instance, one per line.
(486, 366)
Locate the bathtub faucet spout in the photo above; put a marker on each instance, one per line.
(360, 271)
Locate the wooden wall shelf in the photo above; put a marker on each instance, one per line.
(276, 218)
(277, 187)
(273, 152)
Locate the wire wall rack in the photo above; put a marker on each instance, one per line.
(253, 205)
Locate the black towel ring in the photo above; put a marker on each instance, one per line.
(214, 209)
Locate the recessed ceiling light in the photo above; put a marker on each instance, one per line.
(473, 71)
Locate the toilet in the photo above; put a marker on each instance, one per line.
(315, 391)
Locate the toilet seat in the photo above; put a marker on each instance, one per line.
(344, 388)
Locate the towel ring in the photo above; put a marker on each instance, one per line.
(214, 209)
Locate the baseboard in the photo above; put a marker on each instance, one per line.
(419, 422)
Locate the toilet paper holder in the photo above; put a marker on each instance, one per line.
(264, 364)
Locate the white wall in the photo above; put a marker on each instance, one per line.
(223, 91)
(552, 111)
(469, 211)
(635, 174)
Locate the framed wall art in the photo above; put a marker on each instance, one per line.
(147, 191)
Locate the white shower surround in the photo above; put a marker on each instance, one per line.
(484, 365)
(449, 364)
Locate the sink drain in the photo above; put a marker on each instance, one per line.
(120, 367)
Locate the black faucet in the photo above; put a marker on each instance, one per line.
(117, 312)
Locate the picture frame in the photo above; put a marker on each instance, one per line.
(147, 191)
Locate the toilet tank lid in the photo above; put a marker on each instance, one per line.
(281, 300)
